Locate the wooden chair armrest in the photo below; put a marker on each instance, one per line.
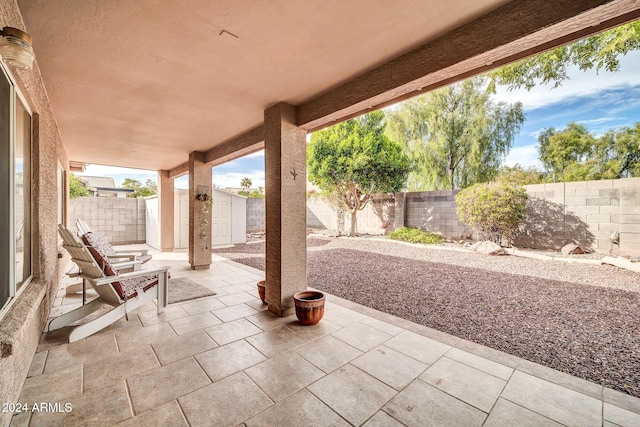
(118, 277)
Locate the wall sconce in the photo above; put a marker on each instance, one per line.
(15, 48)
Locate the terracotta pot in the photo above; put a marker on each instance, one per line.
(262, 290)
(309, 307)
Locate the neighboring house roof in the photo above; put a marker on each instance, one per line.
(98, 181)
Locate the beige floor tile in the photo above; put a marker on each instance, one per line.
(300, 409)
(37, 364)
(468, 384)
(383, 326)
(352, 393)
(276, 341)
(283, 375)
(171, 312)
(422, 405)
(341, 316)
(239, 311)
(560, 378)
(232, 331)
(621, 400)
(229, 359)
(328, 353)
(620, 416)
(237, 298)
(553, 401)
(132, 340)
(123, 325)
(82, 351)
(228, 402)
(313, 332)
(179, 379)
(176, 348)
(53, 386)
(234, 289)
(200, 306)
(109, 370)
(167, 415)
(266, 320)
(382, 419)
(389, 366)
(102, 407)
(480, 363)
(506, 413)
(193, 323)
(20, 419)
(361, 336)
(257, 305)
(421, 348)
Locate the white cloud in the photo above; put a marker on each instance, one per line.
(599, 121)
(232, 179)
(526, 155)
(581, 83)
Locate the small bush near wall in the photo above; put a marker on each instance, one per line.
(416, 235)
(494, 211)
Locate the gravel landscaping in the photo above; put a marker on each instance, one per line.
(577, 318)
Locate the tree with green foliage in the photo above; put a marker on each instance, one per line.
(245, 183)
(354, 160)
(566, 153)
(600, 52)
(149, 189)
(518, 175)
(494, 211)
(455, 136)
(77, 187)
(574, 154)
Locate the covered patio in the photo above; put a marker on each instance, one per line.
(225, 360)
(179, 87)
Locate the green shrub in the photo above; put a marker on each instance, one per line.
(415, 235)
(494, 211)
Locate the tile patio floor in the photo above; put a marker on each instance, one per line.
(225, 361)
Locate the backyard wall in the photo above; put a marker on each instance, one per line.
(321, 215)
(435, 211)
(121, 220)
(255, 215)
(585, 212)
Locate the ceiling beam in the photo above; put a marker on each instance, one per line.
(247, 143)
(180, 170)
(514, 31)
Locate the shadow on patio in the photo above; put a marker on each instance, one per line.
(224, 360)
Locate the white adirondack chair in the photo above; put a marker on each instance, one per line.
(138, 254)
(125, 292)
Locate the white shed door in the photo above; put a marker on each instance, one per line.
(221, 221)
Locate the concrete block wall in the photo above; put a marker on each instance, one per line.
(122, 220)
(255, 215)
(321, 215)
(435, 211)
(585, 212)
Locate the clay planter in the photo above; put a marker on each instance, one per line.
(262, 290)
(309, 307)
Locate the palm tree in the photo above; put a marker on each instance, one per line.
(246, 183)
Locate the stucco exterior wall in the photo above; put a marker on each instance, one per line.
(21, 325)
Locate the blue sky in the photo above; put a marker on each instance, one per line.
(601, 102)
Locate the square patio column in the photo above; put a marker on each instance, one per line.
(165, 210)
(286, 207)
(199, 213)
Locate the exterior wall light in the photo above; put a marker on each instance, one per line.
(15, 48)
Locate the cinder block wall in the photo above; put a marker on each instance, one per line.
(435, 211)
(586, 213)
(255, 215)
(122, 220)
(321, 215)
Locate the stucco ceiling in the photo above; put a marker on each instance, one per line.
(143, 83)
